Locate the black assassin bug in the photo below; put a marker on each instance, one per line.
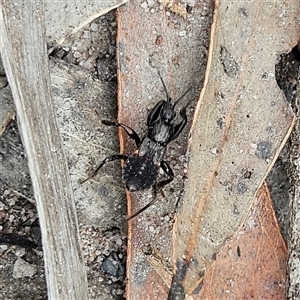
(141, 168)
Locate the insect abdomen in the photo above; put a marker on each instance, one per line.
(139, 172)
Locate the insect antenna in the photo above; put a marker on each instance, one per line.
(165, 88)
(184, 94)
(168, 97)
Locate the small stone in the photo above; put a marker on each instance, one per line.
(214, 151)
(23, 269)
(94, 27)
(86, 35)
(87, 65)
(113, 266)
(3, 81)
(151, 2)
(6, 192)
(20, 252)
(119, 242)
(119, 292)
(144, 6)
(77, 54)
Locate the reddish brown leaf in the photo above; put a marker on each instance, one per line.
(253, 264)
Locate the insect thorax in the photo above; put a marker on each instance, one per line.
(152, 149)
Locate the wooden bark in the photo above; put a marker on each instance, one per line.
(155, 38)
(241, 123)
(22, 26)
(293, 283)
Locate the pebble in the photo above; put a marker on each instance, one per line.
(86, 35)
(119, 292)
(77, 54)
(20, 252)
(151, 2)
(167, 218)
(144, 5)
(87, 65)
(3, 81)
(119, 242)
(94, 27)
(23, 269)
(112, 266)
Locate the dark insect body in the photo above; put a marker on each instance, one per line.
(16, 239)
(141, 168)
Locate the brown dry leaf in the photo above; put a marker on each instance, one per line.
(253, 264)
(241, 123)
(151, 39)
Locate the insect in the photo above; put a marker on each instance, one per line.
(141, 168)
(16, 239)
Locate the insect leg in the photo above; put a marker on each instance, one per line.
(107, 159)
(141, 210)
(155, 113)
(168, 171)
(179, 127)
(132, 134)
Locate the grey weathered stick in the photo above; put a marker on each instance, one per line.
(23, 49)
(294, 235)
